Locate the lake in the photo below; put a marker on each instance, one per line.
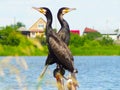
(94, 73)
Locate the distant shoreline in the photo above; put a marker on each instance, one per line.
(79, 51)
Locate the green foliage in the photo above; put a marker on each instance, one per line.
(13, 39)
(89, 39)
(93, 45)
(9, 36)
(42, 40)
(106, 41)
(76, 40)
(14, 43)
(18, 25)
(93, 35)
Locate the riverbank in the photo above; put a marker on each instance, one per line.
(33, 50)
(97, 51)
(13, 43)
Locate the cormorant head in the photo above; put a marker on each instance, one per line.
(43, 10)
(65, 10)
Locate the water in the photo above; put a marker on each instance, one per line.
(95, 73)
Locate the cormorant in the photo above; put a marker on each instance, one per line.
(57, 48)
(64, 34)
(64, 31)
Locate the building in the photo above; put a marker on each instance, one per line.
(75, 31)
(112, 36)
(38, 28)
(88, 30)
(24, 31)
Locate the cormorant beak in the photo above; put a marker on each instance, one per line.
(71, 9)
(35, 8)
(66, 10)
(41, 10)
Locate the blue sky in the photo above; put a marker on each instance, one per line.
(103, 15)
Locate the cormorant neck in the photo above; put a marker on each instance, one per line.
(62, 21)
(48, 24)
(49, 21)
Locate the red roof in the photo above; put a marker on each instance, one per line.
(75, 31)
(87, 30)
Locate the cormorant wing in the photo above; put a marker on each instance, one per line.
(61, 51)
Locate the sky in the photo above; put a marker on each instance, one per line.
(102, 15)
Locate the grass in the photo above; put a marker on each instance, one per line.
(103, 50)
(32, 50)
(22, 51)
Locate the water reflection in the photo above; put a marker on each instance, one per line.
(10, 72)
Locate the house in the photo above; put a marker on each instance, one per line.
(112, 36)
(24, 31)
(75, 31)
(38, 28)
(88, 30)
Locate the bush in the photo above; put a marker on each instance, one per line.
(106, 41)
(93, 35)
(9, 36)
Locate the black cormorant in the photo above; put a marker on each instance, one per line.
(57, 48)
(64, 31)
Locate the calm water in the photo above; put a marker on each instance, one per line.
(95, 73)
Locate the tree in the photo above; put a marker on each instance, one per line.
(76, 40)
(13, 39)
(17, 25)
(20, 24)
(9, 36)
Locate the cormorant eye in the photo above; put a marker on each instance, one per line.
(43, 11)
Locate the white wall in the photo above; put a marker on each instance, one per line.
(113, 36)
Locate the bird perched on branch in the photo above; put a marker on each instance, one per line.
(57, 48)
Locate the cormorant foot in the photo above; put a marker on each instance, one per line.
(58, 70)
